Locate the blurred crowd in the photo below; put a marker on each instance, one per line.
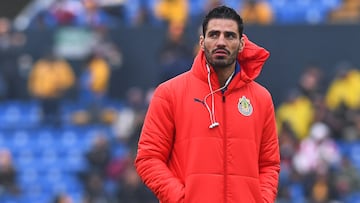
(157, 12)
(318, 122)
(319, 133)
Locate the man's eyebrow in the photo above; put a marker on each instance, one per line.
(226, 32)
(230, 32)
(213, 31)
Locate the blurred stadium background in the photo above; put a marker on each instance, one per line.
(76, 77)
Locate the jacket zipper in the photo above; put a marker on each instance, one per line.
(225, 150)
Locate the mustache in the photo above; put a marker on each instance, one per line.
(221, 49)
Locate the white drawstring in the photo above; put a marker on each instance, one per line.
(212, 111)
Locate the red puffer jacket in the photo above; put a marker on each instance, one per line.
(182, 160)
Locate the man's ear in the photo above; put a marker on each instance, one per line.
(242, 44)
(201, 42)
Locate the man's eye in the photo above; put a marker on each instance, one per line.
(230, 36)
(212, 35)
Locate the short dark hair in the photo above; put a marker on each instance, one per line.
(223, 12)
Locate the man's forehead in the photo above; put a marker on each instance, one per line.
(221, 24)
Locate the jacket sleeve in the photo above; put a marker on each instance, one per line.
(269, 160)
(154, 147)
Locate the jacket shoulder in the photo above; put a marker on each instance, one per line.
(175, 84)
(261, 89)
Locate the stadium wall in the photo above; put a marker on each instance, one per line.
(292, 48)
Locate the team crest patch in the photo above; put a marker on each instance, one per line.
(244, 106)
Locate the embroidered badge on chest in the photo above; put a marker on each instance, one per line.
(244, 106)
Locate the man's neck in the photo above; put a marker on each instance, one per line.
(224, 74)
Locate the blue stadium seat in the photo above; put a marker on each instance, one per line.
(9, 198)
(9, 114)
(49, 159)
(25, 158)
(19, 139)
(302, 11)
(67, 184)
(353, 198)
(74, 160)
(72, 138)
(45, 138)
(19, 114)
(354, 154)
(27, 176)
(3, 139)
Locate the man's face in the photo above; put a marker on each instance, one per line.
(221, 43)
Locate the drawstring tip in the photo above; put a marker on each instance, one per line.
(213, 125)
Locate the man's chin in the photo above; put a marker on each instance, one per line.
(221, 61)
(220, 65)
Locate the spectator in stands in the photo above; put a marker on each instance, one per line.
(297, 111)
(288, 144)
(8, 174)
(347, 178)
(63, 198)
(93, 16)
(15, 81)
(99, 155)
(347, 13)
(95, 190)
(351, 132)
(128, 123)
(62, 13)
(315, 160)
(172, 11)
(310, 86)
(11, 46)
(132, 189)
(4, 49)
(318, 153)
(323, 114)
(50, 81)
(175, 55)
(257, 12)
(94, 177)
(94, 79)
(84, 13)
(310, 81)
(342, 97)
(322, 190)
(5, 27)
(92, 88)
(344, 89)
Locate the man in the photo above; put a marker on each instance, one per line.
(209, 135)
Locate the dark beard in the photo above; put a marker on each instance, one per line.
(220, 62)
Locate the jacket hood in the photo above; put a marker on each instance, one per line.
(251, 61)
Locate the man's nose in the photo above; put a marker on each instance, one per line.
(221, 41)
